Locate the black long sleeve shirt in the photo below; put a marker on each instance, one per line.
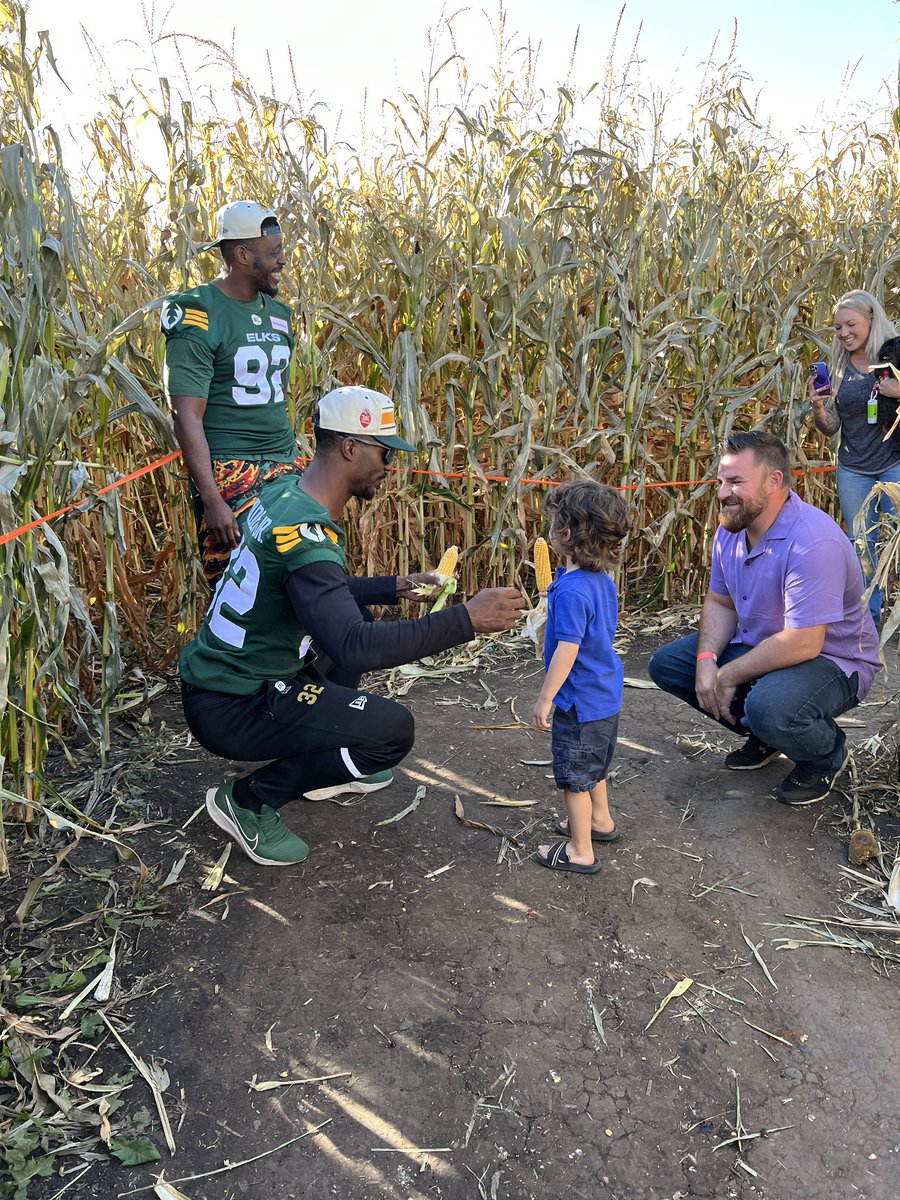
(327, 601)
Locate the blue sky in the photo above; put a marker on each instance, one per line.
(796, 53)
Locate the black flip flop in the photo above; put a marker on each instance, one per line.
(558, 860)
(612, 836)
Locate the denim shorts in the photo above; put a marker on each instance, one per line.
(582, 750)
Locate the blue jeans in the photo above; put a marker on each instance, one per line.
(853, 488)
(791, 710)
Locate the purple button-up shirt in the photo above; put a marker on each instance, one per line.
(802, 572)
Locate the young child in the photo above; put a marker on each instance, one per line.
(584, 674)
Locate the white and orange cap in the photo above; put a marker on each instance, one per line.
(360, 412)
(242, 221)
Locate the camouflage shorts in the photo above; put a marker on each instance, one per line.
(240, 481)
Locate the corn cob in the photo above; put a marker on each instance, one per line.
(542, 573)
(445, 570)
(447, 565)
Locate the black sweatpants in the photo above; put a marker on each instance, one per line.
(317, 732)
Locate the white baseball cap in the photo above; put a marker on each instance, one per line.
(242, 220)
(360, 412)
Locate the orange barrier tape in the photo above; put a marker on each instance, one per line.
(161, 462)
(145, 470)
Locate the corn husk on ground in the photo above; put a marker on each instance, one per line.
(548, 286)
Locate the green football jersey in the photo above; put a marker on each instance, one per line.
(251, 633)
(236, 354)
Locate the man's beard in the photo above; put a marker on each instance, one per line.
(738, 515)
(261, 279)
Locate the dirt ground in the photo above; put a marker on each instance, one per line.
(457, 1001)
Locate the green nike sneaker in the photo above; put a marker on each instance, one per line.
(264, 837)
(368, 783)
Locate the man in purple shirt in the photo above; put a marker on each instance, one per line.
(785, 642)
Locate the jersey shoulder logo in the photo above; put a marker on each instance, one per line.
(187, 316)
(279, 324)
(288, 537)
(171, 315)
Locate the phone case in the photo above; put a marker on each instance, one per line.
(820, 377)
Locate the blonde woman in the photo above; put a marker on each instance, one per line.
(864, 458)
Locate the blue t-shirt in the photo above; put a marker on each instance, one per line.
(582, 607)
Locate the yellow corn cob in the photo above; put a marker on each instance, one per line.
(447, 565)
(542, 573)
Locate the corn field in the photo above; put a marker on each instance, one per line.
(546, 288)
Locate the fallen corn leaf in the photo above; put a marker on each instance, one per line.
(678, 990)
(214, 878)
(470, 824)
(404, 812)
(893, 888)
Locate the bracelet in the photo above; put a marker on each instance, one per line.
(707, 654)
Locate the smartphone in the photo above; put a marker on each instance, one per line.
(819, 374)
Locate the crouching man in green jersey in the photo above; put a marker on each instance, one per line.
(274, 670)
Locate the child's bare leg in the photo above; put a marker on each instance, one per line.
(580, 847)
(601, 818)
(578, 810)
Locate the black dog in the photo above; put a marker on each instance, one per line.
(889, 353)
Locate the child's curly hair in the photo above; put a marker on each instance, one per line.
(588, 522)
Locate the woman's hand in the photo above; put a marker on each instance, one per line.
(824, 416)
(818, 396)
(888, 386)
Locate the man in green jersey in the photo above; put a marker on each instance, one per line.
(273, 672)
(228, 351)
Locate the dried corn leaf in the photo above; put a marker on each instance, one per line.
(168, 1191)
(893, 887)
(470, 824)
(754, 950)
(598, 1023)
(31, 1028)
(104, 983)
(155, 1078)
(678, 990)
(269, 1085)
(509, 803)
(404, 812)
(175, 871)
(38, 882)
(214, 879)
(646, 882)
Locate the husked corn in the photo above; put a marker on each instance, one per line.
(447, 565)
(542, 573)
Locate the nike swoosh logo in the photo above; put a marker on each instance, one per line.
(252, 844)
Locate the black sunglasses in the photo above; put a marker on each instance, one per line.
(389, 451)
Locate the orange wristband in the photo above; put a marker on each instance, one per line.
(707, 654)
